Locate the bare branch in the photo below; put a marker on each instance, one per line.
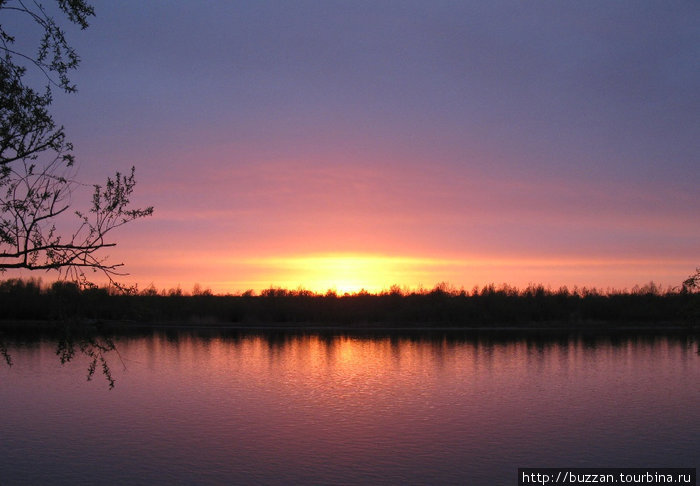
(36, 160)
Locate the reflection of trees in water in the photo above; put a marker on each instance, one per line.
(71, 342)
(3, 351)
(79, 341)
(94, 348)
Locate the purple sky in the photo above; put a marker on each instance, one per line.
(420, 141)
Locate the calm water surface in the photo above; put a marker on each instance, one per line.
(263, 408)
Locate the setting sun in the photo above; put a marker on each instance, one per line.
(347, 273)
(349, 242)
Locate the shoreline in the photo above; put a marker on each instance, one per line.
(194, 325)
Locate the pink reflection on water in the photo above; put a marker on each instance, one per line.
(324, 408)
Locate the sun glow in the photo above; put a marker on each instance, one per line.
(377, 272)
(374, 273)
(347, 273)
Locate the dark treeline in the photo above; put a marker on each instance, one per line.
(29, 300)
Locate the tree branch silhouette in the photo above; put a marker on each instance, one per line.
(36, 160)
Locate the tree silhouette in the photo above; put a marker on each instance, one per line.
(692, 283)
(36, 159)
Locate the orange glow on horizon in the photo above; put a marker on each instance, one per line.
(347, 273)
(354, 272)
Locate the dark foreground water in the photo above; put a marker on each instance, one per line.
(266, 408)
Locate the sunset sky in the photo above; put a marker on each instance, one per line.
(360, 144)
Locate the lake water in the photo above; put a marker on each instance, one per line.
(290, 408)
